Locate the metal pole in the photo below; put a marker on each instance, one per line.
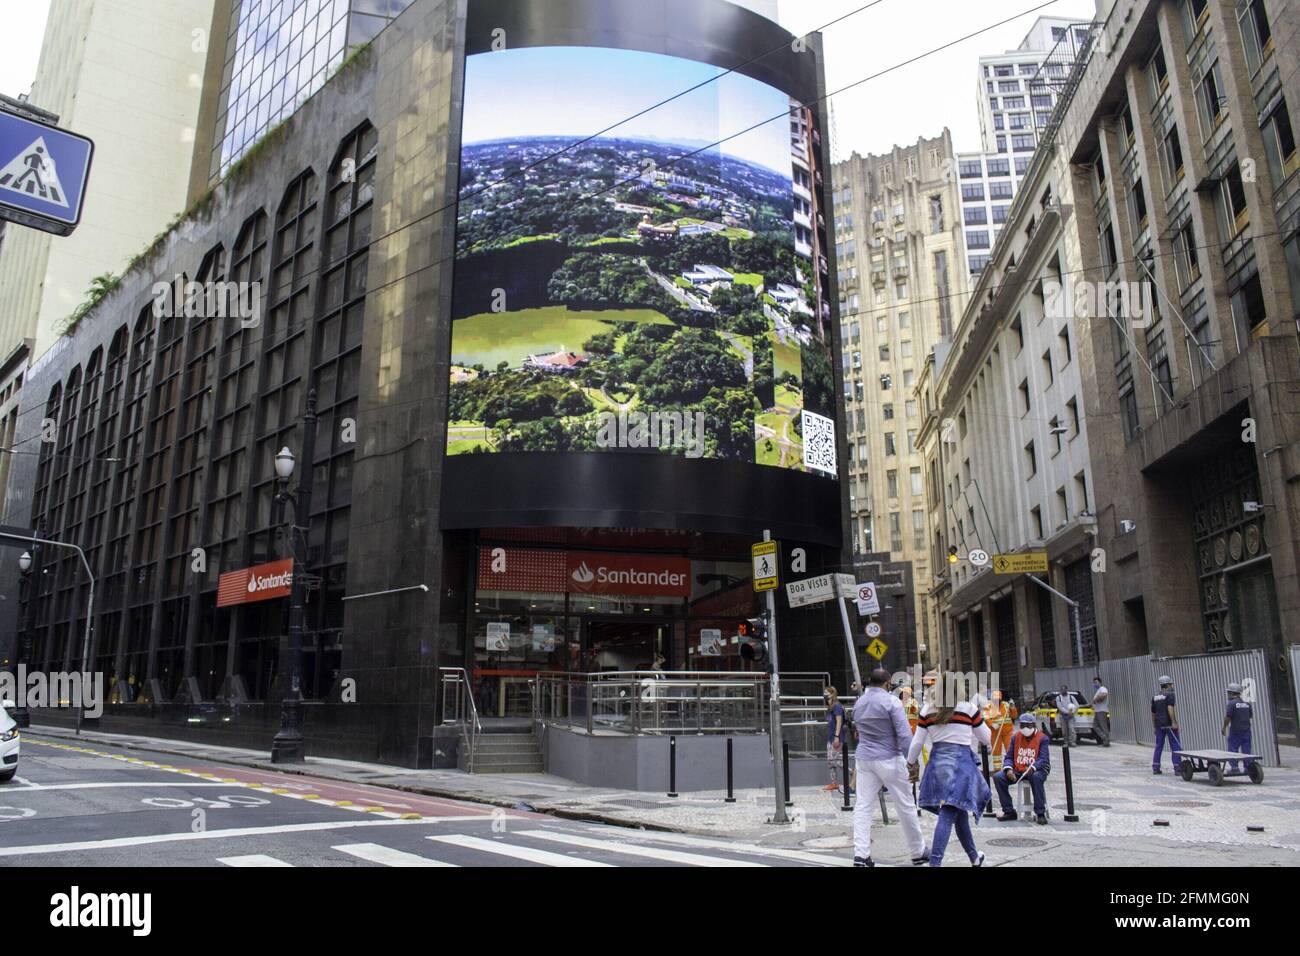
(731, 794)
(778, 770)
(785, 760)
(1070, 815)
(984, 761)
(672, 765)
(21, 716)
(288, 745)
(844, 757)
(848, 634)
(1074, 610)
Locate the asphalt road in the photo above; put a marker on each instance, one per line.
(100, 805)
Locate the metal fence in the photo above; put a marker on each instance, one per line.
(1199, 681)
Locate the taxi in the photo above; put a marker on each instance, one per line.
(9, 743)
(1045, 711)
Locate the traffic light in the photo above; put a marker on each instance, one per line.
(952, 554)
(753, 632)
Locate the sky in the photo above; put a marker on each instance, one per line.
(917, 100)
(548, 91)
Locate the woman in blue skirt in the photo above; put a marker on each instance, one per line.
(953, 786)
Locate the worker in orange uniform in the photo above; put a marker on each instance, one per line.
(998, 715)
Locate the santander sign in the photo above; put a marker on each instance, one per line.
(594, 572)
(259, 583)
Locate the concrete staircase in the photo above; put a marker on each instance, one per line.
(504, 753)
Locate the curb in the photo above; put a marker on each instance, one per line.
(587, 816)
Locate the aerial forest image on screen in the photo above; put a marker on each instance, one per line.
(651, 288)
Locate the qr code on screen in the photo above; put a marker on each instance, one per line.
(818, 443)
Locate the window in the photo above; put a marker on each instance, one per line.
(1236, 213)
(1047, 368)
(1062, 507)
(915, 475)
(1128, 411)
(1138, 205)
(1198, 11)
(1023, 143)
(1159, 73)
(999, 167)
(1008, 86)
(1064, 336)
(1081, 491)
(1186, 256)
(905, 349)
(975, 215)
(1036, 522)
(890, 449)
(1001, 190)
(911, 439)
(1014, 103)
(970, 169)
(1000, 214)
(1031, 461)
(1256, 32)
(1072, 409)
(918, 530)
(1248, 308)
(891, 483)
(910, 408)
(1024, 397)
(908, 376)
(895, 532)
(1171, 159)
(972, 192)
(936, 214)
(886, 382)
(1210, 98)
(900, 290)
(977, 264)
(884, 353)
(977, 239)
(1126, 124)
(1109, 255)
(887, 411)
(1279, 143)
(903, 320)
(1018, 329)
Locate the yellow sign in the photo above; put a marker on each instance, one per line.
(764, 554)
(877, 649)
(1031, 562)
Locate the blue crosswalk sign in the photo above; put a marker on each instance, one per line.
(43, 173)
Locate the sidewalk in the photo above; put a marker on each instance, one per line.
(1116, 797)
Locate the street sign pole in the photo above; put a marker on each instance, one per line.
(848, 634)
(778, 770)
(1074, 614)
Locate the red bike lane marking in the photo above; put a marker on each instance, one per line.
(357, 793)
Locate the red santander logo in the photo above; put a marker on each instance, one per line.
(653, 575)
(258, 583)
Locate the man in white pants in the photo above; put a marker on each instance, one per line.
(883, 738)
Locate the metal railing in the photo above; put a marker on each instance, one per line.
(683, 702)
(458, 707)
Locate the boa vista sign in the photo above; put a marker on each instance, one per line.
(258, 583)
(584, 572)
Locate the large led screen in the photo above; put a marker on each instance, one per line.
(649, 289)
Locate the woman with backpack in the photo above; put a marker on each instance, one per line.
(953, 786)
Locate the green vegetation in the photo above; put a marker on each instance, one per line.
(489, 338)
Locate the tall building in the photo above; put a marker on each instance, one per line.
(902, 281)
(1016, 92)
(484, 492)
(141, 111)
(272, 56)
(1182, 144)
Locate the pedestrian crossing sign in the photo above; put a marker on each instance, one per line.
(43, 172)
(877, 649)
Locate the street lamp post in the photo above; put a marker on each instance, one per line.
(288, 746)
(21, 715)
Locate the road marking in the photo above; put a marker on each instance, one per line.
(805, 856)
(231, 833)
(374, 853)
(545, 857)
(629, 849)
(99, 786)
(253, 859)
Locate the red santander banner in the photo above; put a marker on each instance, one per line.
(259, 583)
(651, 575)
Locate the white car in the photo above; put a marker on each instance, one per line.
(8, 744)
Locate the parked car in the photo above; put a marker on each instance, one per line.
(1045, 711)
(8, 744)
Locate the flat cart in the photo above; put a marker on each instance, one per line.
(1215, 763)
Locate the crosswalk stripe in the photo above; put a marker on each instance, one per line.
(544, 857)
(374, 853)
(253, 859)
(803, 856)
(630, 849)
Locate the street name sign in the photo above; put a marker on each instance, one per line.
(43, 173)
(1031, 562)
(764, 556)
(819, 588)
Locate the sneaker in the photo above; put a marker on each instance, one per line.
(1041, 819)
(863, 861)
(1156, 770)
(979, 859)
(1008, 815)
(831, 786)
(923, 859)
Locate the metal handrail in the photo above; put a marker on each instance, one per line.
(459, 678)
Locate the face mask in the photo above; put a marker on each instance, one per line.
(1027, 731)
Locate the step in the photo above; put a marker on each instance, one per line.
(500, 740)
(508, 765)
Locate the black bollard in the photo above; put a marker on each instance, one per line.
(844, 754)
(731, 795)
(672, 766)
(984, 759)
(1070, 815)
(785, 760)
(884, 814)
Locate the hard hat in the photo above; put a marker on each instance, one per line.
(1165, 679)
(1027, 720)
(1234, 688)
